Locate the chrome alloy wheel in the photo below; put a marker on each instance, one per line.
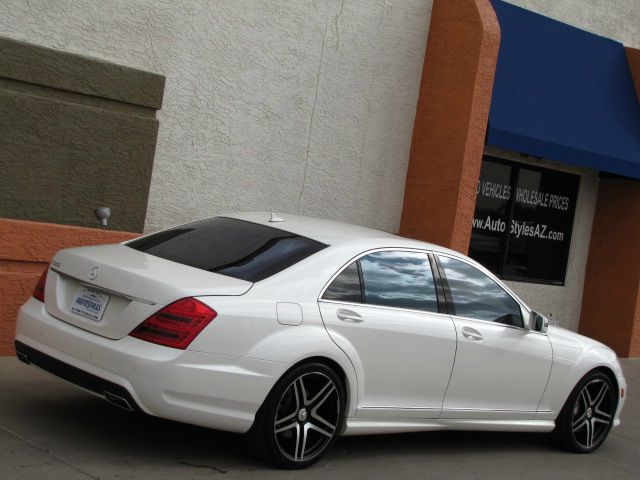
(592, 414)
(307, 416)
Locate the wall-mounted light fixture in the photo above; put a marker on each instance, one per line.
(102, 214)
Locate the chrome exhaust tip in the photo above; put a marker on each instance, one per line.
(118, 401)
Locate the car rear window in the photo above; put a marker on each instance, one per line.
(231, 247)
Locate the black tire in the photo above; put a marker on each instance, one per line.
(301, 417)
(587, 416)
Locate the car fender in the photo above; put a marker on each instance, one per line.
(573, 357)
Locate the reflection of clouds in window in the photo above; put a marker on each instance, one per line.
(399, 279)
(475, 295)
(346, 286)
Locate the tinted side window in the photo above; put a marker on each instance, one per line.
(346, 286)
(239, 249)
(477, 296)
(399, 279)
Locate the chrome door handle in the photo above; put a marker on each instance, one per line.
(471, 333)
(349, 316)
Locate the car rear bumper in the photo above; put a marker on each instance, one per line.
(216, 391)
(112, 392)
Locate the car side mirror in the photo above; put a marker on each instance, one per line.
(538, 322)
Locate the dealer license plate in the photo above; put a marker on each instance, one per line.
(89, 304)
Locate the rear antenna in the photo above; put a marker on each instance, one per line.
(275, 218)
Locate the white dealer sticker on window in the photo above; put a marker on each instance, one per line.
(89, 304)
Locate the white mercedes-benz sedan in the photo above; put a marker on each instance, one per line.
(295, 330)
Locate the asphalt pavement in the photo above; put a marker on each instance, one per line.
(52, 430)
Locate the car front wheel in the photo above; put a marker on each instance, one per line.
(587, 416)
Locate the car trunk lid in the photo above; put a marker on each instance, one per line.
(110, 289)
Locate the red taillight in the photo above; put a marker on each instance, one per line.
(38, 292)
(177, 324)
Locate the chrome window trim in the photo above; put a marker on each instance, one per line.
(497, 281)
(522, 305)
(488, 274)
(363, 254)
(384, 307)
(489, 322)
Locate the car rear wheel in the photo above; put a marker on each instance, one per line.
(301, 418)
(587, 416)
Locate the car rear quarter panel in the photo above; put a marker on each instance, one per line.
(249, 328)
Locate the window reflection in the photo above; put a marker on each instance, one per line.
(475, 295)
(239, 249)
(346, 286)
(399, 279)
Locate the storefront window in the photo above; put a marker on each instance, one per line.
(523, 221)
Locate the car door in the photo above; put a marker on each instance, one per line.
(501, 368)
(382, 310)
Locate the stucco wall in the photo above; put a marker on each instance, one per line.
(288, 105)
(615, 19)
(76, 133)
(562, 303)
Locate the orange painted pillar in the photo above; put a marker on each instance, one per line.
(25, 250)
(451, 122)
(633, 59)
(611, 298)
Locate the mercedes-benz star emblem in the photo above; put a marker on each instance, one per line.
(93, 274)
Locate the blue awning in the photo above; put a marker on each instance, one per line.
(564, 94)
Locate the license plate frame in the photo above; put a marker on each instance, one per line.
(89, 304)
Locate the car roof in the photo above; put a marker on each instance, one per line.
(331, 232)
